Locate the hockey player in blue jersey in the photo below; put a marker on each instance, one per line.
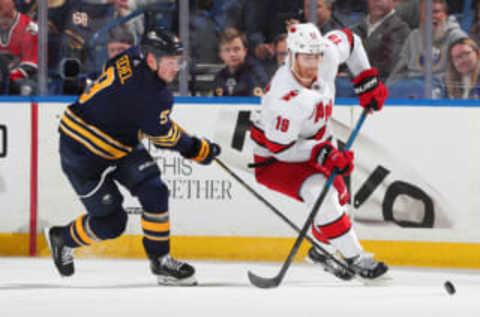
(100, 143)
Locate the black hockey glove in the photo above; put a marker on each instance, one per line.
(202, 151)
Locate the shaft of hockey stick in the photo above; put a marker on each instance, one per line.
(280, 214)
(263, 282)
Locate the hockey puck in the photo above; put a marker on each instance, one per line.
(449, 287)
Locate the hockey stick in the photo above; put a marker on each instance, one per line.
(264, 282)
(281, 215)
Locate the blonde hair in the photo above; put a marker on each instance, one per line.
(453, 79)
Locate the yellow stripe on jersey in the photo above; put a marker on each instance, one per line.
(106, 136)
(85, 144)
(168, 140)
(98, 142)
(87, 136)
(78, 42)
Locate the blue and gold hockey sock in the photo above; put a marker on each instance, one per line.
(156, 231)
(79, 233)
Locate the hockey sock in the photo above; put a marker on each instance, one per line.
(340, 235)
(87, 230)
(156, 231)
(78, 233)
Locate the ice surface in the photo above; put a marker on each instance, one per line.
(31, 287)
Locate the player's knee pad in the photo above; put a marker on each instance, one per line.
(106, 200)
(109, 227)
(153, 195)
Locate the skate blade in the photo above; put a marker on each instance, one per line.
(171, 281)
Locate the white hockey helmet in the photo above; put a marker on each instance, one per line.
(304, 38)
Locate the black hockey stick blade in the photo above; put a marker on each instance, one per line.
(263, 282)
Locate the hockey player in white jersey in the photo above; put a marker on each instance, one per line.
(294, 151)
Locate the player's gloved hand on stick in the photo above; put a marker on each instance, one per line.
(325, 157)
(371, 92)
(203, 151)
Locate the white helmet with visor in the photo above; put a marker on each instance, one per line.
(304, 38)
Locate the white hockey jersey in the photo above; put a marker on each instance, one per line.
(294, 118)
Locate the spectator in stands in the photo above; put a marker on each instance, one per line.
(412, 57)
(119, 40)
(203, 33)
(29, 7)
(280, 46)
(19, 48)
(280, 53)
(325, 20)
(349, 12)
(463, 68)
(409, 11)
(242, 75)
(351, 5)
(125, 7)
(263, 20)
(383, 34)
(475, 29)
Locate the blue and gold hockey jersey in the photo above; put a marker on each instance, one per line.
(126, 103)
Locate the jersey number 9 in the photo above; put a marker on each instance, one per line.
(282, 124)
(105, 80)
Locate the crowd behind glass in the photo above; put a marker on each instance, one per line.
(235, 46)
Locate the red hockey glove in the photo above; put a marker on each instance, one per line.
(325, 157)
(370, 90)
(17, 74)
(203, 151)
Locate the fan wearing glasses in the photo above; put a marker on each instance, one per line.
(463, 68)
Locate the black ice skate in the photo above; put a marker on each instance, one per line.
(61, 254)
(170, 271)
(365, 266)
(328, 264)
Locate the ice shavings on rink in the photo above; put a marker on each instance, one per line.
(31, 287)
